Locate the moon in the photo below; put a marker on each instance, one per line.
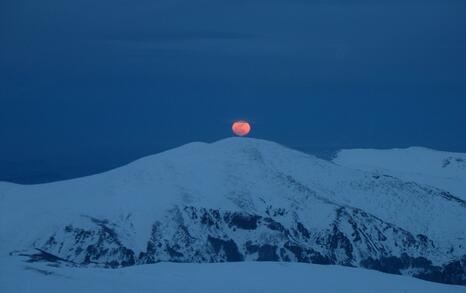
(241, 128)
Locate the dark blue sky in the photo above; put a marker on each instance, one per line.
(90, 85)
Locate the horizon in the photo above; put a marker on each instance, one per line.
(326, 155)
(84, 90)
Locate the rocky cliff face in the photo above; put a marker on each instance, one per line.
(190, 234)
(262, 203)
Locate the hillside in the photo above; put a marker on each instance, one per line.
(445, 170)
(238, 200)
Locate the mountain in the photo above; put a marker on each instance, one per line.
(238, 199)
(444, 170)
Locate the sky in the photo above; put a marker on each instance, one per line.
(86, 86)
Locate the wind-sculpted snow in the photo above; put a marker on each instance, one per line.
(270, 277)
(239, 200)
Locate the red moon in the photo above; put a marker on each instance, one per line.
(241, 128)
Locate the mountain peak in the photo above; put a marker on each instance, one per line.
(243, 141)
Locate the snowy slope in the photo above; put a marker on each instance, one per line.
(232, 277)
(444, 170)
(238, 200)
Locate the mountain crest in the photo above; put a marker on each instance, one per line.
(239, 199)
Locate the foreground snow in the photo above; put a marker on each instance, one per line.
(17, 277)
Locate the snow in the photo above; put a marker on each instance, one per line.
(231, 174)
(19, 277)
(235, 174)
(444, 170)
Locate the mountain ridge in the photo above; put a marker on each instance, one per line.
(239, 199)
(445, 170)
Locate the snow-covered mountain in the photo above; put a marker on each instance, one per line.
(444, 170)
(239, 199)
